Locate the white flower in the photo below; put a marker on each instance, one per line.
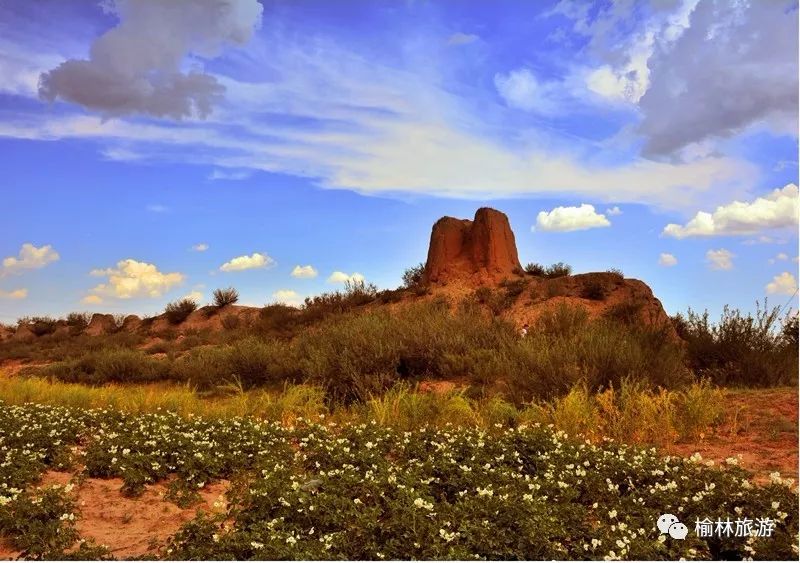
(612, 513)
(256, 545)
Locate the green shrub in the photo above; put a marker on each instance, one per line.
(39, 326)
(558, 270)
(754, 350)
(593, 289)
(120, 365)
(223, 297)
(413, 277)
(535, 269)
(355, 294)
(178, 311)
(77, 322)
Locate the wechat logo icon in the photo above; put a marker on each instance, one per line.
(669, 524)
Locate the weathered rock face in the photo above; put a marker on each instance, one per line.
(101, 324)
(479, 251)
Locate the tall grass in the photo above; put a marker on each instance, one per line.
(630, 413)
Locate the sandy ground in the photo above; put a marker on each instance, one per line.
(761, 426)
(129, 527)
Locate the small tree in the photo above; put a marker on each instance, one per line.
(412, 277)
(178, 311)
(223, 297)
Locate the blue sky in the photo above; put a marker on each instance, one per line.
(152, 150)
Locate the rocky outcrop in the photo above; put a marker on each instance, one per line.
(101, 324)
(480, 251)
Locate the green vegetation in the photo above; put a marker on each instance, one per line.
(367, 491)
(557, 270)
(227, 296)
(413, 277)
(753, 350)
(179, 311)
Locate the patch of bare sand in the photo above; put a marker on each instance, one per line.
(128, 526)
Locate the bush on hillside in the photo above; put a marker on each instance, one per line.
(227, 296)
(755, 350)
(178, 311)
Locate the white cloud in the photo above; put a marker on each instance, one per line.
(287, 297)
(131, 278)
(777, 209)
(520, 89)
(721, 259)
(92, 300)
(780, 257)
(157, 208)
(564, 219)
(29, 258)
(666, 259)
(613, 211)
(222, 174)
(21, 293)
(200, 247)
(306, 272)
(195, 296)
(254, 261)
(462, 38)
(135, 67)
(782, 284)
(341, 277)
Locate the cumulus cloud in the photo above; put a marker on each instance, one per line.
(30, 258)
(287, 297)
(254, 261)
(342, 277)
(21, 293)
(132, 278)
(782, 284)
(196, 296)
(462, 38)
(139, 65)
(306, 272)
(92, 299)
(666, 259)
(775, 210)
(522, 90)
(564, 219)
(721, 259)
(200, 247)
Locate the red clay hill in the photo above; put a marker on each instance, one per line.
(474, 260)
(483, 250)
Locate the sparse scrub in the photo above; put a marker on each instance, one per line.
(224, 297)
(179, 311)
(77, 322)
(617, 273)
(594, 290)
(558, 270)
(535, 269)
(40, 326)
(741, 349)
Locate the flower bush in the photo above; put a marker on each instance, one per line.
(367, 491)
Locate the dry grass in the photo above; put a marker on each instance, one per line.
(630, 414)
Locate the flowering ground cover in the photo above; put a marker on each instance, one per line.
(367, 491)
